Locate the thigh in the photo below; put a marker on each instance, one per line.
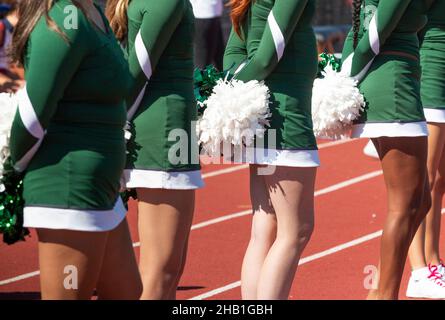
(264, 219)
(404, 169)
(291, 191)
(70, 262)
(119, 277)
(165, 218)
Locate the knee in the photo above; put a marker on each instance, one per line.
(298, 239)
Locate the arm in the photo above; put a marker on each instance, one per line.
(281, 24)
(235, 53)
(51, 64)
(159, 22)
(383, 23)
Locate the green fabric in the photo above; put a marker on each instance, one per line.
(76, 89)
(167, 29)
(391, 86)
(432, 53)
(398, 22)
(290, 79)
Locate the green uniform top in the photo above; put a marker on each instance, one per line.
(436, 15)
(159, 50)
(73, 109)
(386, 25)
(271, 33)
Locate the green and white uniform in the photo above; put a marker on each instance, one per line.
(386, 61)
(163, 107)
(68, 132)
(278, 45)
(432, 59)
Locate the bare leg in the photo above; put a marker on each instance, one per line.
(263, 234)
(165, 218)
(425, 246)
(119, 278)
(291, 191)
(70, 263)
(404, 168)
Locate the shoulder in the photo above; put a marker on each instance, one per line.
(148, 5)
(68, 19)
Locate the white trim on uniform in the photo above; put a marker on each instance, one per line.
(28, 114)
(77, 220)
(136, 103)
(153, 179)
(390, 129)
(274, 157)
(143, 56)
(277, 35)
(32, 124)
(374, 40)
(434, 115)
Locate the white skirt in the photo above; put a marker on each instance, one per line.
(434, 115)
(389, 129)
(152, 179)
(72, 219)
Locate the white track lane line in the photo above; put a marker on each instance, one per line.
(320, 192)
(305, 260)
(245, 166)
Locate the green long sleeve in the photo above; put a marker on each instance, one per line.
(281, 24)
(158, 21)
(50, 64)
(385, 20)
(235, 53)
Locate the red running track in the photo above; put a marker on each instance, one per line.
(350, 210)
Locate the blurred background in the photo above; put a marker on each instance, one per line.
(331, 23)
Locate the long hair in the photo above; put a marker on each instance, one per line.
(356, 11)
(238, 13)
(116, 12)
(30, 12)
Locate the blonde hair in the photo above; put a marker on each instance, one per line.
(116, 12)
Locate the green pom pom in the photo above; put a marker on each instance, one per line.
(325, 60)
(11, 205)
(204, 82)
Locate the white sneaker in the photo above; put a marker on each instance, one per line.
(370, 150)
(426, 283)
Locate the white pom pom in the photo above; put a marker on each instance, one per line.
(336, 103)
(236, 112)
(8, 108)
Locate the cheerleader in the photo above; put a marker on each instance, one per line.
(382, 52)
(162, 107)
(427, 278)
(68, 136)
(277, 40)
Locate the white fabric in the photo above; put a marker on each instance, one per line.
(136, 103)
(434, 115)
(374, 40)
(28, 115)
(22, 164)
(207, 9)
(152, 179)
(390, 129)
(277, 35)
(143, 56)
(285, 158)
(72, 219)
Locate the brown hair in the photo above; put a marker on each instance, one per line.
(238, 13)
(356, 10)
(116, 12)
(30, 12)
